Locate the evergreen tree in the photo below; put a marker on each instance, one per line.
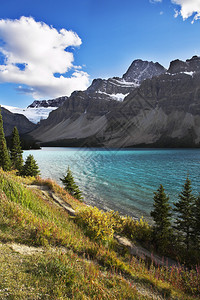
(16, 151)
(4, 154)
(1, 127)
(30, 167)
(185, 218)
(162, 230)
(196, 224)
(70, 185)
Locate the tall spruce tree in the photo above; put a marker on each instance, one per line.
(70, 185)
(196, 224)
(30, 167)
(162, 230)
(184, 214)
(16, 151)
(4, 154)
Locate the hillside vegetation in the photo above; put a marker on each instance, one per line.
(46, 253)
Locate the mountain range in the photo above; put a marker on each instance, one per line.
(38, 110)
(10, 120)
(148, 106)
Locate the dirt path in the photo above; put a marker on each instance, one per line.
(48, 192)
(143, 253)
(135, 250)
(24, 249)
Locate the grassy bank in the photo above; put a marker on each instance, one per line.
(77, 257)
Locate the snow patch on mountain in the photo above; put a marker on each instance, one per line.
(126, 83)
(117, 97)
(189, 73)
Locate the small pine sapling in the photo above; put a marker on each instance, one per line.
(70, 185)
(30, 167)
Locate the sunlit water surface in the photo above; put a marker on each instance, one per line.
(122, 180)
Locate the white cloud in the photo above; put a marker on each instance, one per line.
(155, 1)
(34, 52)
(188, 8)
(176, 13)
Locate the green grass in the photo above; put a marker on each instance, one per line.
(57, 275)
(92, 264)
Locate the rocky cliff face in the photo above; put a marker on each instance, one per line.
(111, 89)
(11, 120)
(81, 116)
(163, 111)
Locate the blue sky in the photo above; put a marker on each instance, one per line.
(107, 35)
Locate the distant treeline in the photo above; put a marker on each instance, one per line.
(26, 143)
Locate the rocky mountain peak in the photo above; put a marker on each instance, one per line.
(136, 73)
(96, 85)
(48, 103)
(177, 66)
(190, 65)
(195, 57)
(141, 70)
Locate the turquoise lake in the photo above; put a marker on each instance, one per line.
(122, 180)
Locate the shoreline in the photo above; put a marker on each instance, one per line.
(131, 176)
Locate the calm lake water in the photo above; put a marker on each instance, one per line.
(122, 180)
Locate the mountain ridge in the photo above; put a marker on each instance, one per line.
(161, 110)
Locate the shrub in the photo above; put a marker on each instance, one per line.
(97, 224)
(138, 230)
